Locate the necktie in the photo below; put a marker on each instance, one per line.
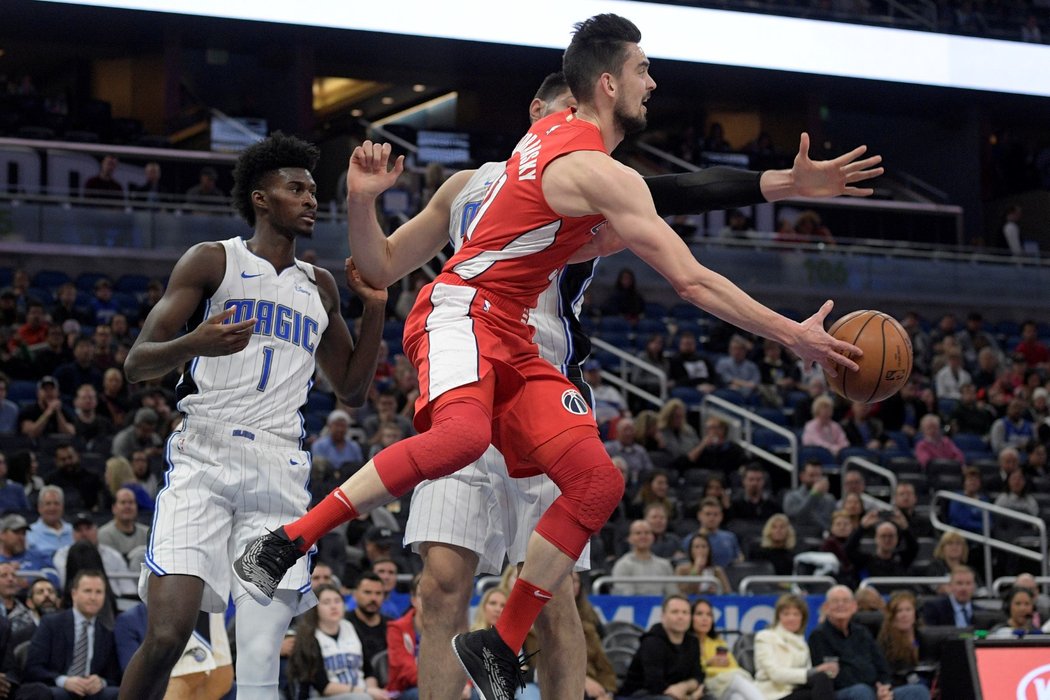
(80, 650)
(968, 615)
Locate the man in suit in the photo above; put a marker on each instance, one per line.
(72, 655)
(956, 608)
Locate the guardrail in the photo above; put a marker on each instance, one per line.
(873, 581)
(484, 583)
(602, 581)
(986, 538)
(621, 380)
(748, 421)
(747, 581)
(1003, 581)
(869, 466)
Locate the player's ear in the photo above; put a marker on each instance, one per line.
(259, 199)
(608, 84)
(536, 108)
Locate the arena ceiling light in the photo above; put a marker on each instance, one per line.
(672, 32)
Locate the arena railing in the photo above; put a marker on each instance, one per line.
(1003, 581)
(869, 466)
(893, 581)
(748, 581)
(599, 583)
(621, 380)
(985, 538)
(747, 421)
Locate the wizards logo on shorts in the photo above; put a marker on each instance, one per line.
(573, 402)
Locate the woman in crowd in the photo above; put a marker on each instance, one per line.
(601, 676)
(853, 505)
(624, 299)
(21, 469)
(821, 430)
(1016, 497)
(492, 603)
(121, 475)
(951, 551)
(777, 545)
(113, 402)
(842, 526)
(715, 488)
(647, 430)
(899, 640)
(783, 670)
(699, 564)
(678, 436)
(1018, 605)
(327, 654)
(723, 677)
(965, 516)
(656, 489)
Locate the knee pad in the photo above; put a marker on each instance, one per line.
(460, 432)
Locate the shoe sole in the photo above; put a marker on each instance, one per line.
(257, 594)
(459, 658)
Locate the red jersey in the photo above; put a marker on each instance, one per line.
(516, 243)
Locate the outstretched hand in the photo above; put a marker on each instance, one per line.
(369, 173)
(216, 338)
(831, 178)
(365, 292)
(814, 344)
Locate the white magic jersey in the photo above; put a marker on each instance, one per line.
(264, 385)
(343, 656)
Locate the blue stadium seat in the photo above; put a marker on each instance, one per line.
(19, 390)
(946, 406)
(320, 401)
(768, 439)
(614, 324)
(132, 284)
(863, 452)
(86, 280)
(393, 330)
(808, 452)
(654, 310)
(687, 394)
(967, 442)
(50, 279)
(774, 415)
(650, 326)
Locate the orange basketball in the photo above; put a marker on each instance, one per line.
(887, 359)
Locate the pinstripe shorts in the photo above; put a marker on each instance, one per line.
(225, 485)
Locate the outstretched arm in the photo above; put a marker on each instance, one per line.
(381, 260)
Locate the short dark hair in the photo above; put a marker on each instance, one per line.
(674, 596)
(368, 576)
(598, 46)
(86, 573)
(552, 86)
(262, 158)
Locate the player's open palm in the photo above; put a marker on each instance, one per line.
(814, 344)
(215, 337)
(369, 172)
(831, 178)
(364, 291)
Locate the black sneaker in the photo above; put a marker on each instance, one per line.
(265, 562)
(490, 663)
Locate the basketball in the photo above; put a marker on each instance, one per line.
(887, 361)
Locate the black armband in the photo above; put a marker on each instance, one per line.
(714, 188)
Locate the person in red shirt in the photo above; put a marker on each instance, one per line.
(33, 332)
(402, 644)
(1035, 353)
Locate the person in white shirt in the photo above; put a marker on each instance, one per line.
(949, 379)
(86, 530)
(641, 561)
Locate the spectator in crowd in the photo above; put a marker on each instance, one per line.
(665, 543)
(1016, 497)
(103, 185)
(72, 653)
(723, 677)
(601, 676)
(715, 487)
(653, 354)
(715, 140)
(328, 656)
(367, 618)
(864, 430)
(335, 445)
(863, 673)
(625, 445)
(852, 504)
(971, 416)
(1035, 353)
(899, 643)
(12, 495)
(869, 600)
(207, 190)
(955, 607)
(66, 307)
(54, 353)
(821, 430)
(715, 452)
(725, 548)
(140, 435)
(688, 367)
(677, 435)
(32, 334)
(143, 474)
(609, 402)
(154, 291)
(624, 299)
(647, 431)
(8, 409)
(150, 189)
(104, 308)
(810, 504)
(736, 371)
(489, 609)
(1042, 601)
(973, 338)
(989, 367)
(753, 504)
(950, 553)
(783, 665)
(895, 546)
(386, 412)
(853, 483)
(1036, 465)
(50, 532)
(949, 379)
(120, 475)
(19, 617)
(1030, 31)
(1009, 460)
(667, 662)
(113, 402)
(700, 564)
(966, 516)
(641, 562)
(780, 374)
(124, 533)
(655, 489)
(402, 637)
(113, 562)
(89, 423)
(80, 488)
(1012, 430)
(777, 545)
(81, 370)
(1018, 604)
(905, 500)
(22, 470)
(47, 416)
(13, 529)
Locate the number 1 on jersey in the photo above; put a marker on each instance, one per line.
(267, 361)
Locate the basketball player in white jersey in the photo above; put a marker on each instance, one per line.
(467, 522)
(258, 322)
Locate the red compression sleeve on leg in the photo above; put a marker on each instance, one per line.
(523, 607)
(331, 512)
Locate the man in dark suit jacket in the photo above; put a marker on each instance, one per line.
(53, 665)
(956, 608)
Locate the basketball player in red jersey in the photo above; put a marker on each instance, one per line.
(481, 378)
